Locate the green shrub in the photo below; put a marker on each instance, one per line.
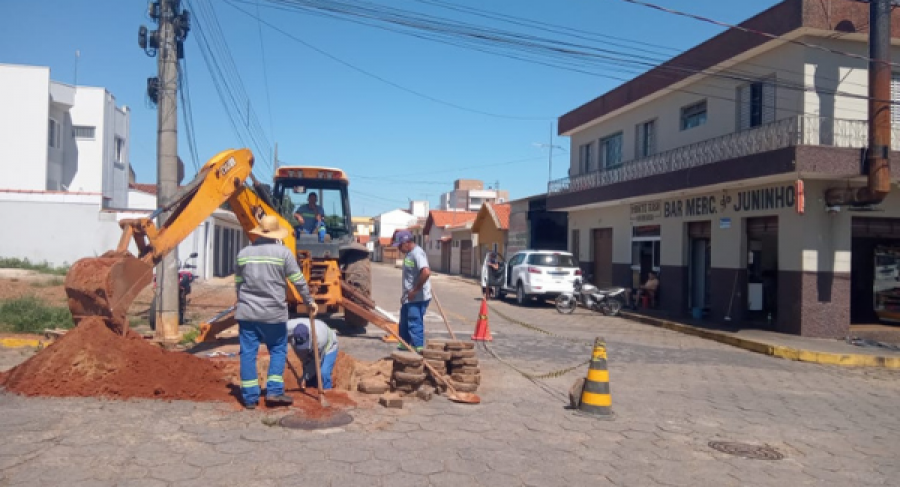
(31, 315)
(43, 267)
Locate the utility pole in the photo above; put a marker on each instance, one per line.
(168, 43)
(877, 154)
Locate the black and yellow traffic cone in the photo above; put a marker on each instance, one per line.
(595, 398)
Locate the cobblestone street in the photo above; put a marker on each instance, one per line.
(672, 394)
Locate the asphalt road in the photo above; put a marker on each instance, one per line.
(672, 395)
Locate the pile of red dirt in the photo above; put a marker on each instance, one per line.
(342, 374)
(92, 360)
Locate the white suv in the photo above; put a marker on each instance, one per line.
(541, 274)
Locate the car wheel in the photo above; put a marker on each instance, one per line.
(521, 298)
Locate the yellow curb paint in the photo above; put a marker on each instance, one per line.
(596, 399)
(598, 375)
(20, 343)
(789, 353)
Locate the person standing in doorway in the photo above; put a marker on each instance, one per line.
(263, 268)
(416, 293)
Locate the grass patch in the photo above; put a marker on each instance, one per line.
(56, 281)
(43, 267)
(31, 315)
(189, 337)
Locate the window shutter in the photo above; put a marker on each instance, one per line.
(743, 107)
(768, 100)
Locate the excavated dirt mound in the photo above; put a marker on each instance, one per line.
(92, 360)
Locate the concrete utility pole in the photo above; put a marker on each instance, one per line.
(168, 43)
(877, 153)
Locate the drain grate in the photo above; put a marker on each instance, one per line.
(296, 421)
(745, 450)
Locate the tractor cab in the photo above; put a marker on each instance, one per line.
(316, 203)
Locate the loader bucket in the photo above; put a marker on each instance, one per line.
(105, 286)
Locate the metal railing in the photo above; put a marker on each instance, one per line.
(788, 132)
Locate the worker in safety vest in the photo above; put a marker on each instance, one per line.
(263, 269)
(300, 338)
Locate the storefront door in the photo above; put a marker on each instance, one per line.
(762, 269)
(700, 238)
(603, 252)
(874, 276)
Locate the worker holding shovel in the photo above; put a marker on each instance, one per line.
(416, 292)
(263, 269)
(300, 338)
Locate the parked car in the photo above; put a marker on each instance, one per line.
(541, 274)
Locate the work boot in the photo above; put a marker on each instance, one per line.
(279, 400)
(250, 405)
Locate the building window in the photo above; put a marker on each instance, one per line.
(646, 139)
(53, 139)
(584, 158)
(83, 132)
(120, 150)
(755, 104)
(611, 151)
(576, 244)
(693, 115)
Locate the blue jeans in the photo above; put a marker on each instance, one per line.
(412, 323)
(274, 335)
(327, 367)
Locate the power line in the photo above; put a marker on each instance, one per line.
(262, 50)
(382, 79)
(757, 32)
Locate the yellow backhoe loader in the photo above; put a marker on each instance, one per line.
(337, 268)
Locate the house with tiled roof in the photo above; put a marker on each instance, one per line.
(492, 228)
(438, 236)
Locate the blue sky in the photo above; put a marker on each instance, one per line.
(396, 146)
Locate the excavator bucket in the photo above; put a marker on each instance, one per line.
(105, 286)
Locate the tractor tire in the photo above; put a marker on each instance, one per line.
(358, 273)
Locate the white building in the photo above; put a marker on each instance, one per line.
(469, 195)
(66, 176)
(717, 177)
(386, 224)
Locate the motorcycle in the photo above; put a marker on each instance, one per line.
(185, 279)
(607, 301)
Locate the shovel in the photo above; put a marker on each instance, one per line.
(314, 344)
(443, 316)
(454, 395)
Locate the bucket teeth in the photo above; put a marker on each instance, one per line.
(106, 286)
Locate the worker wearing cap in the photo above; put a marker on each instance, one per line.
(416, 290)
(298, 331)
(306, 214)
(262, 271)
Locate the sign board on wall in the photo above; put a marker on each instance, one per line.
(724, 222)
(774, 198)
(647, 211)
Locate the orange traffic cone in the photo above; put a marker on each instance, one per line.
(482, 331)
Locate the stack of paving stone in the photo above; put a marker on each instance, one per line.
(456, 362)
(408, 373)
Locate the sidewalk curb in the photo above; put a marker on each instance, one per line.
(788, 353)
(21, 343)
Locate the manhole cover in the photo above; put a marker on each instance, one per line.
(747, 451)
(299, 422)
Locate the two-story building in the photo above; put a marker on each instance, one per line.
(711, 170)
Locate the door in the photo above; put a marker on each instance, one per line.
(511, 271)
(465, 257)
(700, 235)
(603, 247)
(445, 256)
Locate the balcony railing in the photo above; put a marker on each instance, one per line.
(788, 132)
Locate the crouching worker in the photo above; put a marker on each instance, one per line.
(300, 338)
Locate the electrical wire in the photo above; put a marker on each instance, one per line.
(227, 81)
(380, 78)
(758, 32)
(262, 51)
(549, 54)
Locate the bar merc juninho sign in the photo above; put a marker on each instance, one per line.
(771, 198)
